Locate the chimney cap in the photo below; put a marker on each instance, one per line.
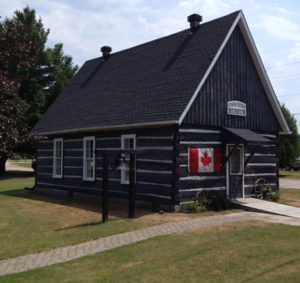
(194, 18)
(106, 49)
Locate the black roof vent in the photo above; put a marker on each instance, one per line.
(105, 51)
(194, 21)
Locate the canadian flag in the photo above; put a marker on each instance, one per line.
(204, 160)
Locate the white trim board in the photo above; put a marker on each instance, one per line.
(107, 128)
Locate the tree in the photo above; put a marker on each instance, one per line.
(31, 78)
(49, 75)
(15, 59)
(31, 98)
(60, 69)
(289, 148)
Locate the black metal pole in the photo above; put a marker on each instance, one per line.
(104, 188)
(132, 186)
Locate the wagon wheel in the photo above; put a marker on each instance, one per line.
(262, 188)
(202, 198)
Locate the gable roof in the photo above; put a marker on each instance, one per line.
(151, 84)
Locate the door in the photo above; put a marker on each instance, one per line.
(235, 171)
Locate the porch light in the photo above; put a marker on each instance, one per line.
(123, 165)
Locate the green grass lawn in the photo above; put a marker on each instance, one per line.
(240, 252)
(295, 175)
(34, 221)
(290, 196)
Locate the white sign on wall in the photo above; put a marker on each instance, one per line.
(237, 108)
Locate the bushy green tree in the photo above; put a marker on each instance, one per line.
(49, 75)
(60, 70)
(15, 60)
(289, 148)
(39, 82)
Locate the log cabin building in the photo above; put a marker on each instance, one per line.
(197, 106)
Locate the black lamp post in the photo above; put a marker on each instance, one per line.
(123, 165)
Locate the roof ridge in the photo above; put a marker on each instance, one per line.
(164, 37)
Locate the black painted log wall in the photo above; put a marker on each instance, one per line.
(154, 165)
(189, 184)
(264, 163)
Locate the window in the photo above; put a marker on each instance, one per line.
(57, 158)
(89, 158)
(236, 161)
(127, 142)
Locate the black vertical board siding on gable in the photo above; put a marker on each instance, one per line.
(234, 77)
(154, 164)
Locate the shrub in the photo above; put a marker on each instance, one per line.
(192, 207)
(274, 196)
(212, 201)
(206, 200)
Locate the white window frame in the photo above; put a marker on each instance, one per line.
(54, 175)
(85, 177)
(123, 138)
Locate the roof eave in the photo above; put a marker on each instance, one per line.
(263, 75)
(107, 128)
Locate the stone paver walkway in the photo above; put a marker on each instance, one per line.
(32, 261)
(254, 204)
(289, 184)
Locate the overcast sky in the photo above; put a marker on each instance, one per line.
(83, 26)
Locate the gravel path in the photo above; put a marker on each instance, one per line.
(289, 184)
(58, 255)
(13, 167)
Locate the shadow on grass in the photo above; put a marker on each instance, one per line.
(275, 268)
(283, 176)
(79, 226)
(16, 174)
(79, 201)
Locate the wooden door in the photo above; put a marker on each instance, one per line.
(236, 171)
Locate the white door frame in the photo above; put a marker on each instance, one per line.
(227, 169)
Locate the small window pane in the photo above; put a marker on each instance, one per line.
(88, 148)
(58, 166)
(89, 167)
(58, 149)
(235, 161)
(131, 143)
(91, 148)
(126, 143)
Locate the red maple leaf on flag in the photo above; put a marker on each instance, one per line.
(205, 159)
